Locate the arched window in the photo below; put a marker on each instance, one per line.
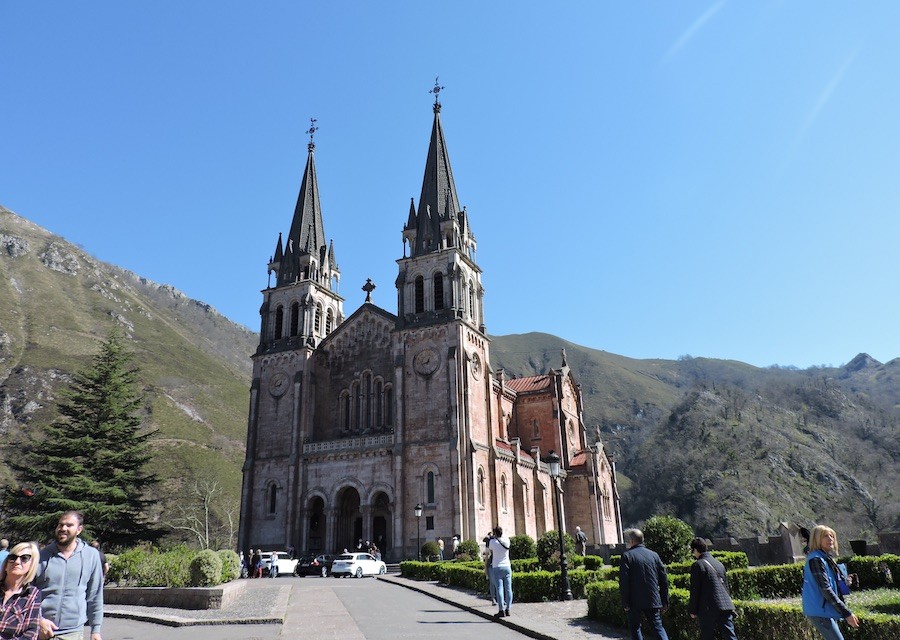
(472, 301)
(536, 432)
(272, 499)
(295, 318)
(318, 324)
(504, 504)
(279, 322)
(379, 403)
(388, 406)
(357, 406)
(345, 411)
(429, 488)
(420, 294)
(329, 322)
(367, 400)
(438, 291)
(481, 486)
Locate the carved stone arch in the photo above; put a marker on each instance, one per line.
(343, 483)
(315, 492)
(380, 487)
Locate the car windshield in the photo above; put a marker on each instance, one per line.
(346, 556)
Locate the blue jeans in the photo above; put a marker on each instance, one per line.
(653, 617)
(718, 623)
(828, 627)
(492, 586)
(503, 582)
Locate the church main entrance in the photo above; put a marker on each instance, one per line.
(381, 516)
(349, 529)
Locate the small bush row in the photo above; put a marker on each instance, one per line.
(179, 567)
(756, 620)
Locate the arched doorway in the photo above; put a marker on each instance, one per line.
(381, 519)
(349, 525)
(317, 526)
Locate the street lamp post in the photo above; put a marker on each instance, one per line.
(565, 588)
(419, 531)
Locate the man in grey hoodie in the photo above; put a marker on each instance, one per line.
(70, 577)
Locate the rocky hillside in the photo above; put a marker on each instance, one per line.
(57, 303)
(734, 449)
(731, 448)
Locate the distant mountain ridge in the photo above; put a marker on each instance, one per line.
(731, 448)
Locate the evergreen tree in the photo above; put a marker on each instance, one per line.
(92, 458)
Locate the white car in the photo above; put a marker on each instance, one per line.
(357, 564)
(286, 566)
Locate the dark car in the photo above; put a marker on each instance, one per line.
(319, 565)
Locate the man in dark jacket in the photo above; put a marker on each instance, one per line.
(710, 602)
(643, 586)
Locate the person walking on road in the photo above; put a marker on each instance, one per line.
(643, 586)
(710, 601)
(501, 569)
(70, 578)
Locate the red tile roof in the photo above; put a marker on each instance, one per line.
(531, 383)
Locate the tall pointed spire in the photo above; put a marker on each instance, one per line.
(307, 235)
(438, 200)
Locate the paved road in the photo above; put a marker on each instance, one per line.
(343, 609)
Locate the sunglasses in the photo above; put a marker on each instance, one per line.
(25, 558)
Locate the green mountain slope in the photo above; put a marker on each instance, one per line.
(734, 449)
(731, 448)
(57, 303)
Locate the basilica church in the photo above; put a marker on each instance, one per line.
(358, 423)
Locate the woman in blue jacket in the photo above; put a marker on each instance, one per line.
(822, 602)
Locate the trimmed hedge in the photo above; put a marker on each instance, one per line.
(592, 563)
(231, 565)
(875, 572)
(756, 620)
(151, 568)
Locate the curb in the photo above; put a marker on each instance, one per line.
(506, 622)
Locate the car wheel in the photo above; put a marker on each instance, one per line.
(324, 572)
(359, 572)
(334, 575)
(382, 570)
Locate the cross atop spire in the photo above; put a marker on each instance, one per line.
(312, 131)
(436, 91)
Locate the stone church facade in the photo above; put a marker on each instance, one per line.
(355, 420)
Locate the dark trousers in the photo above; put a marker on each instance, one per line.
(652, 615)
(717, 624)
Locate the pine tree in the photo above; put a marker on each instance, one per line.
(92, 458)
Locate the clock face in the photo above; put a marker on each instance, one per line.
(278, 384)
(476, 365)
(426, 361)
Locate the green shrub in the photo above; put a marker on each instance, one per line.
(592, 563)
(669, 537)
(614, 560)
(142, 567)
(418, 570)
(548, 549)
(875, 572)
(431, 550)
(756, 620)
(521, 547)
(732, 559)
(206, 569)
(231, 565)
(470, 548)
(525, 565)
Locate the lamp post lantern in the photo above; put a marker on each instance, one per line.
(565, 588)
(418, 531)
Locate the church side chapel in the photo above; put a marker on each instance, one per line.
(356, 422)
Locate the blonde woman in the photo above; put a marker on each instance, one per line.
(822, 602)
(21, 610)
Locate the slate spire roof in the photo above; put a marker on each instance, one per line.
(438, 201)
(307, 233)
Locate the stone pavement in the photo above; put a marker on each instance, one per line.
(269, 602)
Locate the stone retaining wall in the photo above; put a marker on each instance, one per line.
(183, 598)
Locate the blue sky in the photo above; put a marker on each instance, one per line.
(652, 179)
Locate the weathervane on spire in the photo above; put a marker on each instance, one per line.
(312, 131)
(437, 89)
